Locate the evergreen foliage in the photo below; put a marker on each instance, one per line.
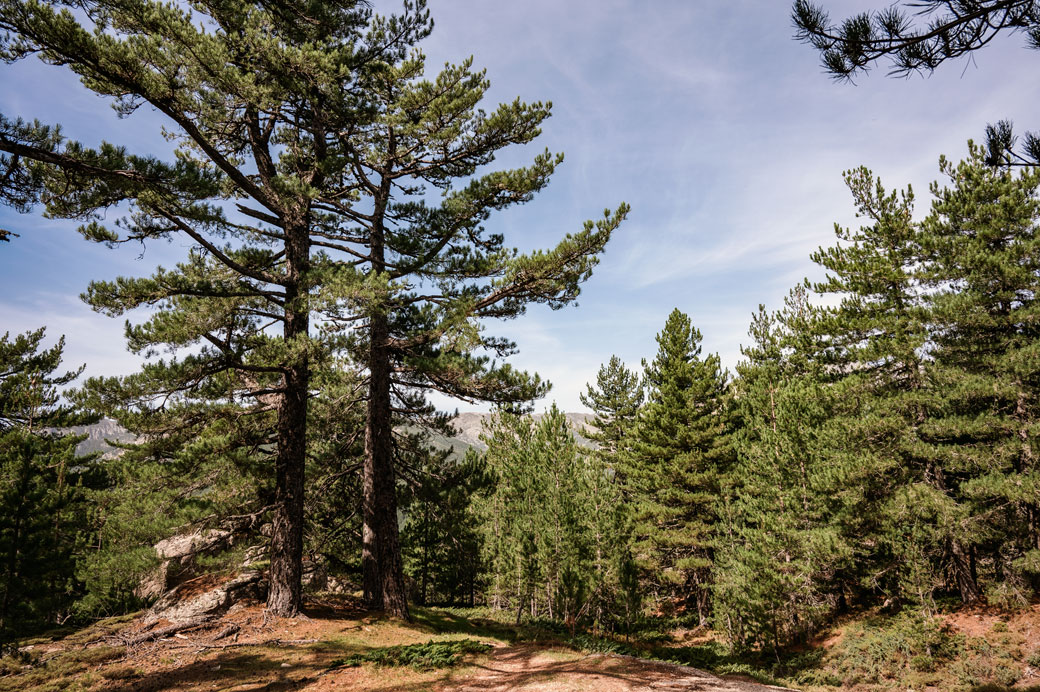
(778, 552)
(899, 32)
(953, 28)
(615, 401)
(681, 448)
(875, 357)
(910, 435)
(440, 538)
(554, 529)
(45, 488)
(878, 447)
(982, 246)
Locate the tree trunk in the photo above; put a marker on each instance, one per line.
(381, 556)
(425, 552)
(285, 595)
(962, 573)
(380, 494)
(372, 592)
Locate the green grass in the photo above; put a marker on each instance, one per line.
(428, 656)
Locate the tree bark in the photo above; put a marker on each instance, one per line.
(383, 571)
(285, 595)
(372, 592)
(379, 488)
(963, 573)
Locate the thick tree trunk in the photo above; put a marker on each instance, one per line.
(381, 553)
(379, 488)
(285, 595)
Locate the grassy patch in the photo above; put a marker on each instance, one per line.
(121, 673)
(428, 656)
(101, 628)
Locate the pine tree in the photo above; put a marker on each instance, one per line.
(895, 503)
(44, 518)
(308, 141)
(773, 576)
(680, 450)
(615, 401)
(983, 250)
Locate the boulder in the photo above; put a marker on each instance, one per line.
(339, 585)
(184, 547)
(154, 584)
(178, 555)
(314, 577)
(190, 603)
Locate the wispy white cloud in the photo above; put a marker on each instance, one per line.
(720, 131)
(90, 339)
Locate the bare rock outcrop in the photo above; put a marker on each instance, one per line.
(201, 599)
(178, 555)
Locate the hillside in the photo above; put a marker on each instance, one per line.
(470, 426)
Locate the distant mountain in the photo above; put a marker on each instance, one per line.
(98, 433)
(468, 425)
(471, 425)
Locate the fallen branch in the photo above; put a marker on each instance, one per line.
(269, 642)
(167, 631)
(227, 632)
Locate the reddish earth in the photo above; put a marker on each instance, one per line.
(977, 622)
(258, 652)
(535, 669)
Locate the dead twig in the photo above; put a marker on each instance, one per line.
(227, 632)
(268, 642)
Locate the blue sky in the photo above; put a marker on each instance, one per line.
(719, 130)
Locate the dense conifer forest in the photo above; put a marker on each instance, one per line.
(874, 451)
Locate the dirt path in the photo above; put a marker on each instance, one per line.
(537, 669)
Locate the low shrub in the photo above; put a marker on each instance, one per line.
(882, 650)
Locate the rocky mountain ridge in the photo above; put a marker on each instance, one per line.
(98, 436)
(471, 425)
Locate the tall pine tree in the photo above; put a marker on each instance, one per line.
(307, 143)
(982, 243)
(680, 450)
(773, 577)
(44, 518)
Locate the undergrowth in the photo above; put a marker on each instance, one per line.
(428, 656)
